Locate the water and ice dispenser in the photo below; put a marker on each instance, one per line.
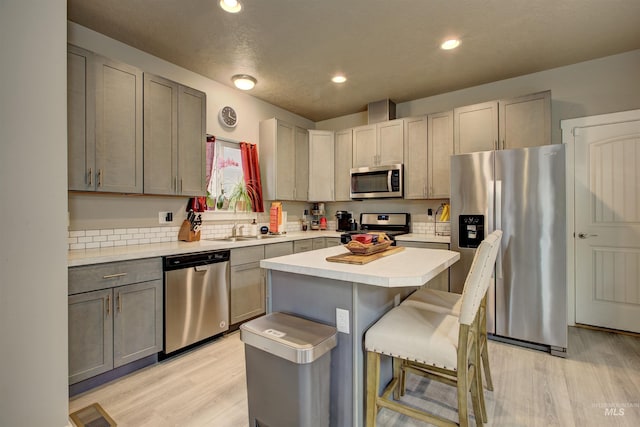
(471, 230)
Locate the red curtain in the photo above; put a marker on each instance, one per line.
(251, 170)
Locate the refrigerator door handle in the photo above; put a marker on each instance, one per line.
(498, 210)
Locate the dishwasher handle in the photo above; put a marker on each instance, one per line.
(205, 267)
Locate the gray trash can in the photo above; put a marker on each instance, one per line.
(288, 363)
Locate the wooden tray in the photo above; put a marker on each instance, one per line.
(349, 258)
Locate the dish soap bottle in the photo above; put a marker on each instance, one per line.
(254, 228)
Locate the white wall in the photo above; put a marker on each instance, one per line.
(599, 86)
(33, 214)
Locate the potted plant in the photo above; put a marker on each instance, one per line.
(240, 197)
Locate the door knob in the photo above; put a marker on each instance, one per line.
(586, 235)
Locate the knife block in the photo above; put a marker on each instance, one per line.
(186, 234)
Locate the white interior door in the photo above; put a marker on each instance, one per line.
(607, 225)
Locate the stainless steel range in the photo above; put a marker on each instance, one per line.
(393, 224)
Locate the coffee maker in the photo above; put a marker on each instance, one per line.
(345, 221)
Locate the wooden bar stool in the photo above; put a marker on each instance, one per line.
(450, 302)
(439, 346)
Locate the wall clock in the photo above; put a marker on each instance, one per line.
(228, 117)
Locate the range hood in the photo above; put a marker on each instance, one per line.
(381, 111)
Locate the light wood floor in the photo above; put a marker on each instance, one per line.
(206, 387)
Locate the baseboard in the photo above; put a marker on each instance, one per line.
(613, 331)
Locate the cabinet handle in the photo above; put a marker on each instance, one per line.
(119, 308)
(503, 145)
(108, 305)
(90, 177)
(180, 185)
(113, 276)
(495, 145)
(99, 177)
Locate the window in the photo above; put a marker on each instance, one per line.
(225, 173)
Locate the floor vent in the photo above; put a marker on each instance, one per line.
(92, 416)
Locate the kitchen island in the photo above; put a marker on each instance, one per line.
(307, 285)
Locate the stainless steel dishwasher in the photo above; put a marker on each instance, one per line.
(196, 298)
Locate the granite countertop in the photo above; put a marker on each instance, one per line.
(123, 253)
(409, 267)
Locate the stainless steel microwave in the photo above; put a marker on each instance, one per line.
(376, 182)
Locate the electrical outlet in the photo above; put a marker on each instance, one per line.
(165, 217)
(342, 320)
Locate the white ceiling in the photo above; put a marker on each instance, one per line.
(386, 48)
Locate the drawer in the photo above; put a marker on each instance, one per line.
(333, 241)
(302, 245)
(109, 275)
(278, 249)
(319, 243)
(247, 255)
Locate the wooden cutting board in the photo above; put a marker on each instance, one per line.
(349, 258)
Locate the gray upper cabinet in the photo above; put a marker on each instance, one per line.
(365, 152)
(118, 125)
(378, 144)
(105, 123)
(284, 156)
(174, 138)
(321, 163)
(302, 165)
(80, 119)
(440, 149)
(476, 127)
(160, 135)
(525, 121)
(428, 146)
(520, 122)
(107, 102)
(415, 158)
(343, 153)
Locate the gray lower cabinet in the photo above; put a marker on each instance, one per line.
(137, 321)
(115, 315)
(90, 335)
(247, 291)
(278, 249)
(441, 281)
(319, 243)
(104, 117)
(302, 245)
(332, 241)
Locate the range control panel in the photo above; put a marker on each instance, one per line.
(471, 230)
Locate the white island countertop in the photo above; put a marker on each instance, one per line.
(410, 267)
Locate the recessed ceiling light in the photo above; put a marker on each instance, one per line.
(450, 44)
(339, 78)
(244, 81)
(231, 6)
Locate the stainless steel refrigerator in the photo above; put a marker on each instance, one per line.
(521, 192)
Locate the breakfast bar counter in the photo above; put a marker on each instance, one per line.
(307, 285)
